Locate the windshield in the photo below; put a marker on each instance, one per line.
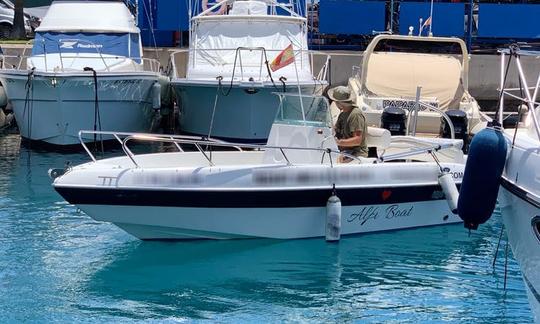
(301, 110)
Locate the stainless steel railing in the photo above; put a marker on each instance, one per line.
(125, 138)
(239, 63)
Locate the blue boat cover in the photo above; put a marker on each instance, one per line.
(125, 45)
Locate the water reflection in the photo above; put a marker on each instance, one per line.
(423, 274)
(57, 264)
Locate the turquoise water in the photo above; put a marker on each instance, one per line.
(58, 265)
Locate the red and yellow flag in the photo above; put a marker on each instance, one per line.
(283, 59)
(427, 22)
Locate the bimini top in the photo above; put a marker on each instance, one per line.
(393, 66)
(88, 16)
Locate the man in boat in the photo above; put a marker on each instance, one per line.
(350, 128)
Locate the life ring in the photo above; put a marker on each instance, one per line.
(220, 11)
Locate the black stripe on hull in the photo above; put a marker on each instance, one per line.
(518, 192)
(248, 199)
(531, 287)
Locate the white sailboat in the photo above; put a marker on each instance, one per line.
(86, 71)
(225, 88)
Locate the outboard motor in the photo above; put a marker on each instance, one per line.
(394, 119)
(461, 127)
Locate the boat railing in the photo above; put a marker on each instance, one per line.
(239, 64)
(204, 145)
(411, 128)
(18, 61)
(290, 7)
(356, 72)
(525, 97)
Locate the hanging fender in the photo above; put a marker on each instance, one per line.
(156, 95)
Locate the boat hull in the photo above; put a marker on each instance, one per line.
(55, 107)
(519, 211)
(281, 214)
(276, 223)
(243, 114)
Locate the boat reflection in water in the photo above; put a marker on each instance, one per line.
(422, 274)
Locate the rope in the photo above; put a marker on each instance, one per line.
(436, 160)
(29, 101)
(219, 78)
(283, 79)
(97, 116)
(519, 113)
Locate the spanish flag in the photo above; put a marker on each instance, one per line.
(427, 22)
(283, 59)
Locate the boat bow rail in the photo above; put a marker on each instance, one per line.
(249, 64)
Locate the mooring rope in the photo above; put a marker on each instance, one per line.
(29, 101)
(97, 115)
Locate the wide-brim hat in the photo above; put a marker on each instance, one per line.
(342, 94)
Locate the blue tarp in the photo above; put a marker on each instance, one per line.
(111, 44)
(351, 17)
(448, 18)
(508, 20)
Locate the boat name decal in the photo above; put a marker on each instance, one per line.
(375, 212)
(457, 174)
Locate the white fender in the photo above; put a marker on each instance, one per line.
(450, 191)
(156, 95)
(333, 219)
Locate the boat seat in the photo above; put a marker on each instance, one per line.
(254, 8)
(378, 137)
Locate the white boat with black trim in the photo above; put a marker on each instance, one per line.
(86, 71)
(279, 190)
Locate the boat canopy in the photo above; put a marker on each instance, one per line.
(88, 16)
(399, 74)
(115, 44)
(395, 65)
(220, 46)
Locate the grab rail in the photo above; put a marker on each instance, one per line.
(199, 142)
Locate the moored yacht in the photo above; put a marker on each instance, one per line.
(240, 52)
(279, 190)
(86, 71)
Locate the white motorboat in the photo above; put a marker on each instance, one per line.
(402, 76)
(86, 71)
(279, 190)
(519, 195)
(224, 81)
(505, 164)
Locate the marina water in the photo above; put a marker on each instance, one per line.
(58, 265)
